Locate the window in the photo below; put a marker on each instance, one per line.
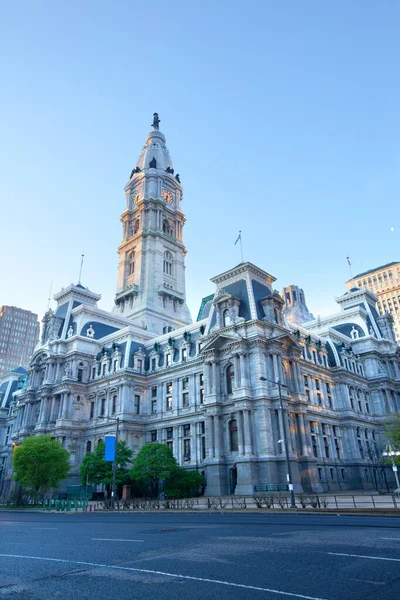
(103, 407)
(91, 415)
(183, 354)
(154, 392)
(186, 449)
(169, 396)
(320, 477)
(319, 398)
(136, 404)
(168, 263)
(168, 360)
(201, 395)
(153, 435)
(314, 445)
(131, 263)
(114, 404)
(153, 364)
(233, 435)
(139, 365)
(170, 445)
(104, 369)
(317, 384)
(170, 433)
(88, 446)
(136, 226)
(185, 399)
(229, 379)
(226, 318)
(305, 377)
(115, 365)
(154, 406)
(80, 374)
(186, 430)
(185, 383)
(308, 396)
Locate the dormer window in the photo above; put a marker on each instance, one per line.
(226, 318)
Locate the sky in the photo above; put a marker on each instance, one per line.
(282, 119)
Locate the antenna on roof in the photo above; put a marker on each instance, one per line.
(351, 271)
(49, 298)
(80, 270)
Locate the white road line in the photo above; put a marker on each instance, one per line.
(362, 556)
(44, 527)
(115, 540)
(90, 564)
(397, 539)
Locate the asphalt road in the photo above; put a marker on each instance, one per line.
(171, 556)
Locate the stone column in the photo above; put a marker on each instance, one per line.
(180, 450)
(210, 436)
(269, 431)
(248, 447)
(281, 431)
(244, 369)
(208, 378)
(214, 376)
(236, 363)
(65, 412)
(275, 367)
(240, 432)
(217, 437)
(193, 390)
(303, 435)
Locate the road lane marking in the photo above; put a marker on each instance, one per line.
(362, 556)
(115, 540)
(397, 539)
(219, 582)
(44, 527)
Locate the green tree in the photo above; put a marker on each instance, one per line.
(154, 462)
(392, 434)
(40, 462)
(94, 469)
(184, 483)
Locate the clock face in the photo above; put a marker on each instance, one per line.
(167, 196)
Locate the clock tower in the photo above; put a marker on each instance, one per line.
(151, 270)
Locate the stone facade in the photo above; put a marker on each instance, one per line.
(208, 389)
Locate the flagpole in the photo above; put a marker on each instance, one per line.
(351, 271)
(241, 247)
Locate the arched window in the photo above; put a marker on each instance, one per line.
(168, 262)
(276, 315)
(167, 228)
(88, 446)
(136, 226)
(131, 263)
(233, 435)
(230, 373)
(226, 318)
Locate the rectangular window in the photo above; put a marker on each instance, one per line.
(201, 378)
(170, 445)
(115, 365)
(154, 392)
(103, 407)
(139, 365)
(201, 395)
(153, 435)
(114, 404)
(169, 403)
(186, 449)
(185, 399)
(317, 384)
(154, 407)
(203, 448)
(168, 360)
(153, 364)
(91, 410)
(184, 354)
(170, 433)
(169, 388)
(104, 369)
(186, 430)
(136, 404)
(185, 383)
(305, 377)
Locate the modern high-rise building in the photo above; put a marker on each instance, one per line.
(19, 334)
(384, 282)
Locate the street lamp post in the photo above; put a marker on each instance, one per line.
(114, 463)
(391, 452)
(285, 443)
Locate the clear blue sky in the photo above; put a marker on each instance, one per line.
(282, 119)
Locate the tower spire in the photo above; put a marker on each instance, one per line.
(151, 270)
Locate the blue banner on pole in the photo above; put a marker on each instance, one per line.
(109, 448)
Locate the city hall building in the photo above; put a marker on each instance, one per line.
(208, 389)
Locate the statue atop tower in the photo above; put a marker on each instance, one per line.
(156, 121)
(151, 271)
